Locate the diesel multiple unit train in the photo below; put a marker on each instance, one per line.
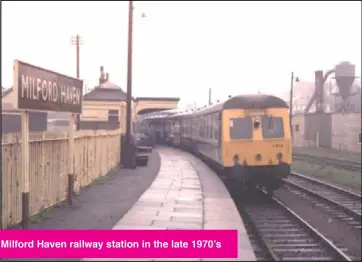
(247, 137)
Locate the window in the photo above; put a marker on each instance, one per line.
(208, 127)
(272, 127)
(241, 128)
(113, 116)
(217, 126)
(176, 128)
(297, 128)
(200, 126)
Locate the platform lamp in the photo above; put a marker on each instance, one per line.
(292, 81)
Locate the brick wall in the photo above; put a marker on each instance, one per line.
(345, 132)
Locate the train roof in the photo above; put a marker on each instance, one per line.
(182, 114)
(257, 101)
(159, 114)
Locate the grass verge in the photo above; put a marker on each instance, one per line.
(344, 178)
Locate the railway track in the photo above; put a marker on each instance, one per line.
(278, 234)
(344, 164)
(341, 203)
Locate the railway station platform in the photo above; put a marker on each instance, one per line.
(186, 194)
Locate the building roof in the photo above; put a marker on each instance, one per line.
(170, 99)
(107, 91)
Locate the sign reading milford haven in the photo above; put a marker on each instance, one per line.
(41, 89)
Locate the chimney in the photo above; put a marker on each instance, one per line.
(107, 77)
(101, 77)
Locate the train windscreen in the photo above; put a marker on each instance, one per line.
(273, 127)
(241, 128)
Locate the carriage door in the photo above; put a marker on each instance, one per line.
(219, 126)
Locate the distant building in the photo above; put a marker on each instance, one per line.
(303, 92)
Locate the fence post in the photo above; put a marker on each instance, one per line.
(71, 156)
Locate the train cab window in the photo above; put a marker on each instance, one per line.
(273, 127)
(241, 128)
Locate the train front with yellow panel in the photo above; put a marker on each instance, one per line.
(247, 136)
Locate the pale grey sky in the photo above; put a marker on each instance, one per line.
(184, 48)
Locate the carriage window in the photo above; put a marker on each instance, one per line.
(190, 127)
(203, 127)
(200, 126)
(241, 128)
(211, 135)
(206, 127)
(272, 127)
(209, 127)
(214, 125)
(177, 128)
(216, 133)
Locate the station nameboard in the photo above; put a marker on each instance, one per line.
(41, 89)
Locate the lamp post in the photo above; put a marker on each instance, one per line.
(130, 154)
(292, 80)
(129, 147)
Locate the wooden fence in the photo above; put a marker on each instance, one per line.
(95, 153)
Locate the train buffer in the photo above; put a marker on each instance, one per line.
(186, 194)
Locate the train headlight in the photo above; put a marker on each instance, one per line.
(257, 123)
(279, 156)
(258, 157)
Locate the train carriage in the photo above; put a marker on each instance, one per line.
(248, 137)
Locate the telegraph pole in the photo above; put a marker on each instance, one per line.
(291, 101)
(209, 96)
(77, 41)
